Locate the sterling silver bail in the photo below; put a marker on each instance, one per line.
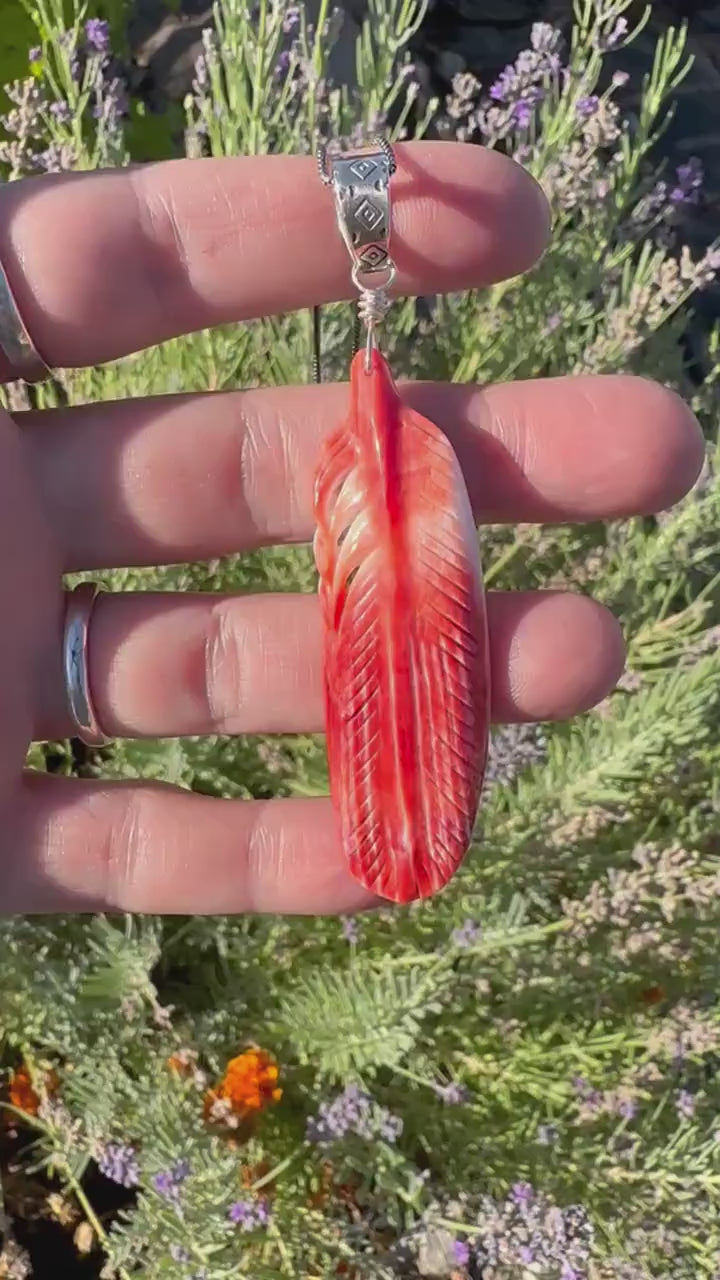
(361, 185)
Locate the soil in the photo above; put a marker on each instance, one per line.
(49, 1243)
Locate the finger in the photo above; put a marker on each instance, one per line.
(182, 665)
(92, 846)
(139, 255)
(185, 478)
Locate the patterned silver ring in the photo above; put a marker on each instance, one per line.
(76, 664)
(15, 341)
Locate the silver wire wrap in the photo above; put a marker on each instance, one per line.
(361, 184)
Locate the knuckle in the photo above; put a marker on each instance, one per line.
(226, 642)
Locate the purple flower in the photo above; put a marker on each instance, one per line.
(526, 1255)
(118, 1162)
(168, 1182)
(352, 1111)
(620, 79)
(613, 38)
(97, 35)
(179, 1253)
(262, 1213)
(553, 322)
(522, 113)
(569, 1273)
(111, 104)
(520, 86)
(467, 935)
(591, 1098)
(242, 1214)
(461, 1252)
(503, 86)
(35, 54)
(452, 1093)
(389, 1126)
(350, 929)
(248, 1215)
(688, 182)
(544, 38)
(587, 107)
(282, 66)
(60, 111)
(522, 1193)
(349, 1112)
(627, 1108)
(513, 748)
(685, 1104)
(163, 1183)
(291, 19)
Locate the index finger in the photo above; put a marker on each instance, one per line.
(105, 264)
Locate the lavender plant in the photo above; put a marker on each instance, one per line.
(520, 1078)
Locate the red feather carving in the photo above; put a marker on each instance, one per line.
(407, 682)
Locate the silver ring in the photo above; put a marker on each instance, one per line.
(75, 664)
(15, 341)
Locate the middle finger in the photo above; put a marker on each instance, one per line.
(182, 478)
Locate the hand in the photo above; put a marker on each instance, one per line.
(104, 264)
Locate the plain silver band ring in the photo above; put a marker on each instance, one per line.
(15, 341)
(78, 610)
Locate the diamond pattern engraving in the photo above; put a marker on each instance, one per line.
(373, 256)
(362, 169)
(369, 214)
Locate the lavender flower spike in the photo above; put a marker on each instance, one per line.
(97, 35)
(522, 1193)
(168, 1182)
(350, 929)
(248, 1215)
(587, 107)
(452, 1093)
(685, 1103)
(467, 935)
(461, 1252)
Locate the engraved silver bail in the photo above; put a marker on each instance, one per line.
(361, 185)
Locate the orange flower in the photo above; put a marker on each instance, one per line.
(23, 1094)
(249, 1085)
(182, 1063)
(250, 1173)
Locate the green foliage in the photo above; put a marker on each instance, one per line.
(363, 1018)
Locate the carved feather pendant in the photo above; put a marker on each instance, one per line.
(407, 683)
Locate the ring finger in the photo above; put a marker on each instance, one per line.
(171, 665)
